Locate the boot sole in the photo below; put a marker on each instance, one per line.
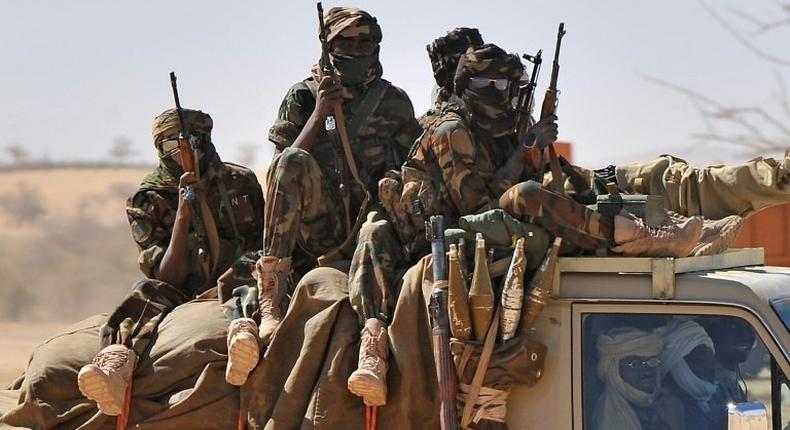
(243, 354)
(95, 385)
(372, 391)
(723, 242)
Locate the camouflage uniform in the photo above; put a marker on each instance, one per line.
(235, 200)
(305, 216)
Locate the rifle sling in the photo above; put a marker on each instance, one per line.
(223, 193)
(369, 103)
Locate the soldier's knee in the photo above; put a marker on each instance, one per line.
(530, 188)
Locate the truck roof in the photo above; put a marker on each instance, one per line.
(736, 277)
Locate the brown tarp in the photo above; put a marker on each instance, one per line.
(180, 384)
(301, 384)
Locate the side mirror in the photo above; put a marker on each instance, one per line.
(747, 416)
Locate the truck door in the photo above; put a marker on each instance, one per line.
(648, 366)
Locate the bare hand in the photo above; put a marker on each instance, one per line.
(330, 93)
(186, 180)
(545, 131)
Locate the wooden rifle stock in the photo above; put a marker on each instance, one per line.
(549, 107)
(202, 220)
(440, 325)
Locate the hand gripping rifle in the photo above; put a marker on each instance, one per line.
(550, 103)
(336, 125)
(440, 325)
(202, 221)
(526, 96)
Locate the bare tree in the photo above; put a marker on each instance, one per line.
(121, 149)
(18, 153)
(752, 128)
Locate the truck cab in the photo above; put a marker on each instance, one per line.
(743, 306)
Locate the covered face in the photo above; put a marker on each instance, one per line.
(688, 357)
(354, 37)
(165, 132)
(486, 80)
(445, 52)
(629, 364)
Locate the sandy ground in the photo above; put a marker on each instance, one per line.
(17, 341)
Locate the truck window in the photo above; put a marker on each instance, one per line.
(653, 371)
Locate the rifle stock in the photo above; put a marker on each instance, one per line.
(440, 326)
(202, 220)
(549, 107)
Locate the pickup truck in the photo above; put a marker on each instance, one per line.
(733, 290)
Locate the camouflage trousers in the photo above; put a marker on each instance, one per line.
(559, 214)
(372, 278)
(300, 207)
(713, 192)
(134, 323)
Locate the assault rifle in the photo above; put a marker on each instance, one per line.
(440, 325)
(336, 126)
(526, 96)
(200, 214)
(550, 103)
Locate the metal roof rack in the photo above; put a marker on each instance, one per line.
(663, 269)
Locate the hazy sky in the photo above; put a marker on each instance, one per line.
(75, 74)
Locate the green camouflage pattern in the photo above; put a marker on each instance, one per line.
(239, 218)
(151, 212)
(559, 214)
(196, 122)
(445, 51)
(351, 22)
(303, 208)
(486, 60)
(372, 285)
(460, 164)
(381, 144)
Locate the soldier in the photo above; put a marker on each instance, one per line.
(161, 224)
(466, 161)
(444, 53)
(314, 200)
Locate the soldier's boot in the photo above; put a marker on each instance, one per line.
(243, 350)
(718, 235)
(676, 239)
(272, 276)
(369, 381)
(107, 378)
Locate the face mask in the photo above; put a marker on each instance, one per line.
(491, 109)
(354, 70)
(171, 157)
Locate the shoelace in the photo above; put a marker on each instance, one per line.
(111, 360)
(371, 348)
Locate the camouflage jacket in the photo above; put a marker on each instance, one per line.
(381, 143)
(466, 167)
(235, 200)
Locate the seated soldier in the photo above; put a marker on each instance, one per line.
(181, 257)
(632, 398)
(465, 162)
(687, 373)
(315, 194)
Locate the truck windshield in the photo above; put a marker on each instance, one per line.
(781, 306)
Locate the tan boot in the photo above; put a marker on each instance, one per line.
(718, 235)
(369, 381)
(106, 379)
(676, 239)
(243, 350)
(272, 276)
